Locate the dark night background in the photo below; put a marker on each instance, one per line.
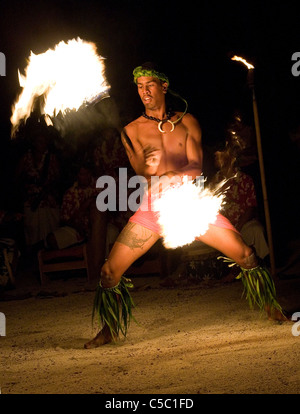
(193, 43)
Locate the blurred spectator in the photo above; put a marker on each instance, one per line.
(108, 153)
(11, 227)
(37, 179)
(240, 204)
(81, 221)
(9, 247)
(75, 212)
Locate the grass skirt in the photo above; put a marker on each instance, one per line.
(113, 307)
(259, 287)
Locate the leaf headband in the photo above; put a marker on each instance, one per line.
(139, 71)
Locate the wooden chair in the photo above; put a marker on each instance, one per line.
(202, 261)
(10, 258)
(70, 258)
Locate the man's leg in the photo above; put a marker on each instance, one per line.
(231, 244)
(134, 241)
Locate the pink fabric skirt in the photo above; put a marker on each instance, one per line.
(149, 219)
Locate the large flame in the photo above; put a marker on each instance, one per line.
(244, 61)
(68, 76)
(185, 212)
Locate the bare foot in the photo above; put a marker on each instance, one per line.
(103, 337)
(275, 315)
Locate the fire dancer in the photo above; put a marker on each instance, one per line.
(158, 143)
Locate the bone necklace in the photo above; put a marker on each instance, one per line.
(162, 121)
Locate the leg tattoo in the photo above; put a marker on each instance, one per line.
(133, 239)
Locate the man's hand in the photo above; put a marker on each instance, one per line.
(152, 156)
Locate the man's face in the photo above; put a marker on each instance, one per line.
(151, 91)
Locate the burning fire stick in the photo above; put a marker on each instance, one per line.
(260, 157)
(67, 77)
(186, 210)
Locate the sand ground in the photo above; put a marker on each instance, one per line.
(193, 339)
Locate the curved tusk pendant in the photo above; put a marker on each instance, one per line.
(163, 122)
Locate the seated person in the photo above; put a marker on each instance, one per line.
(75, 212)
(37, 181)
(9, 247)
(240, 204)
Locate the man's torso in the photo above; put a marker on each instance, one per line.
(168, 148)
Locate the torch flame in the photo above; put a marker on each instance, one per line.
(185, 212)
(68, 76)
(244, 61)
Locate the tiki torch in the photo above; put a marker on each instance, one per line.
(250, 80)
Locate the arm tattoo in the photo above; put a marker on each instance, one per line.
(133, 239)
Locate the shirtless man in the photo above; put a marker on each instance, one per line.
(154, 148)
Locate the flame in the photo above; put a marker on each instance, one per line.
(185, 212)
(68, 76)
(244, 61)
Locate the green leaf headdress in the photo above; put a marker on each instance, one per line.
(143, 71)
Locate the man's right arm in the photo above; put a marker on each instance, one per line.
(130, 150)
(144, 161)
